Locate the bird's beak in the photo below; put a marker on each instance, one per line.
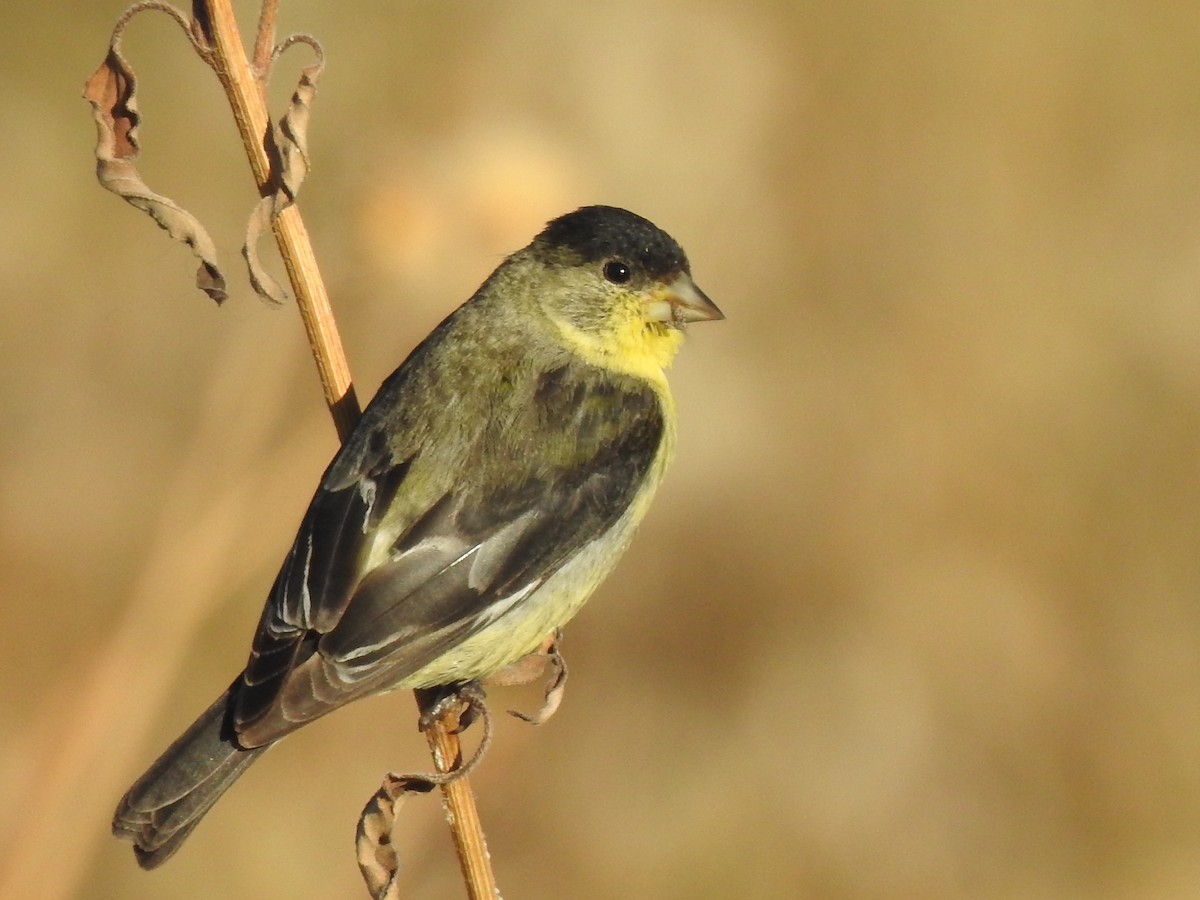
(681, 302)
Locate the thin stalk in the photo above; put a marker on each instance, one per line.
(247, 98)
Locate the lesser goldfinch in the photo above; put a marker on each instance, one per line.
(488, 488)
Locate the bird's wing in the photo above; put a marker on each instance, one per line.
(553, 480)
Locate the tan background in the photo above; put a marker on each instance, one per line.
(917, 613)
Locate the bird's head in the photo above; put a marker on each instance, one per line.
(618, 288)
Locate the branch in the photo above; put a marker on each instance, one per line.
(247, 98)
(465, 827)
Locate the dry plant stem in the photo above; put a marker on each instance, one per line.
(248, 100)
(247, 97)
(465, 826)
(264, 41)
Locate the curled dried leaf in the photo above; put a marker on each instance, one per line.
(290, 166)
(261, 219)
(112, 93)
(531, 667)
(556, 687)
(377, 857)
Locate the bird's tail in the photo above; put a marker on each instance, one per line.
(165, 804)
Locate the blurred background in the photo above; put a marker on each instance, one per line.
(917, 613)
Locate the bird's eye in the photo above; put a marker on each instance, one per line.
(617, 272)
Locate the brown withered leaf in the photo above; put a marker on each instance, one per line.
(112, 93)
(533, 665)
(377, 857)
(290, 166)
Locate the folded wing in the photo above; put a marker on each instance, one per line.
(546, 476)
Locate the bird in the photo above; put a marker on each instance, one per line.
(488, 488)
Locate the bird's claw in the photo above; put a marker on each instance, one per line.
(437, 703)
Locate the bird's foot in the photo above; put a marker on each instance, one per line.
(465, 698)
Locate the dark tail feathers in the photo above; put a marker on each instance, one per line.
(165, 804)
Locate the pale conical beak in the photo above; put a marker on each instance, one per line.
(681, 302)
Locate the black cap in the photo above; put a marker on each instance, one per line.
(598, 233)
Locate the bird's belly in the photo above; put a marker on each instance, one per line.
(523, 628)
